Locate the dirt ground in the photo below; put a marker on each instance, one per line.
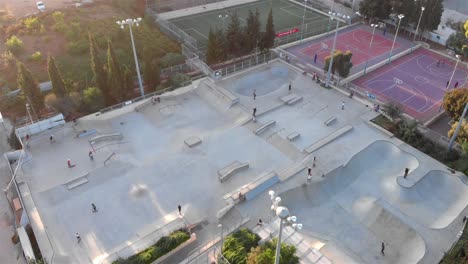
(22, 8)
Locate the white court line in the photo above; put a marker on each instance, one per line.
(413, 95)
(323, 40)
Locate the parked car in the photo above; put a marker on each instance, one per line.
(40, 5)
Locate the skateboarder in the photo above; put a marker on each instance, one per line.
(90, 154)
(78, 237)
(406, 173)
(254, 94)
(180, 209)
(259, 223)
(93, 206)
(342, 105)
(69, 163)
(309, 171)
(383, 249)
(315, 159)
(254, 112)
(289, 89)
(52, 139)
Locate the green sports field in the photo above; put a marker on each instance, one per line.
(286, 15)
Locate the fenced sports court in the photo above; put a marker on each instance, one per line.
(417, 81)
(286, 15)
(356, 39)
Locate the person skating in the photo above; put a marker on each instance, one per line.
(69, 163)
(93, 206)
(254, 94)
(52, 139)
(289, 89)
(406, 173)
(383, 249)
(342, 105)
(90, 154)
(259, 223)
(78, 237)
(180, 209)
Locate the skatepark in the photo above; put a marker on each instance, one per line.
(200, 147)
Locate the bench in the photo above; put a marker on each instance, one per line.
(295, 100)
(84, 133)
(229, 170)
(329, 121)
(293, 136)
(285, 99)
(263, 127)
(192, 141)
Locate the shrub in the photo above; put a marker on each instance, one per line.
(14, 44)
(13, 140)
(93, 99)
(32, 23)
(36, 56)
(58, 17)
(237, 245)
(393, 110)
(171, 59)
(78, 47)
(178, 79)
(163, 246)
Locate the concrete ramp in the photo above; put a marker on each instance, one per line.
(403, 244)
(324, 141)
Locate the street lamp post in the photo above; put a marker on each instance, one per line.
(223, 17)
(451, 77)
(374, 26)
(419, 21)
(400, 17)
(303, 19)
(222, 238)
(333, 16)
(285, 219)
(256, 52)
(28, 109)
(130, 22)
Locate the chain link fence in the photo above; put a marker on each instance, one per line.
(163, 6)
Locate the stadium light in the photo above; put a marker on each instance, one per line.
(303, 19)
(400, 17)
(374, 26)
(337, 17)
(451, 77)
(130, 22)
(417, 27)
(223, 17)
(285, 219)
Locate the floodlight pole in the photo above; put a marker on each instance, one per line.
(130, 22)
(455, 134)
(400, 17)
(303, 19)
(451, 77)
(332, 16)
(223, 17)
(374, 26)
(417, 27)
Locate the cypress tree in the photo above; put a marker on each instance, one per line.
(116, 76)
(29, 87)
(220, 45)
(269, 37)
(234, 36)
(58, 85)
(151, 71)
(211, 52)
(99, 72)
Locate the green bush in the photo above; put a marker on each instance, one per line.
(237, 245)
(32, 23)
(163, 246)
(177, 80)
(36, 56)
(58, 17)
(14, 44)
(78, 47)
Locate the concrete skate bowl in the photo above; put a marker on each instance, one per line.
(264, 81)
(391, 160)
(404, 245)
(435, 200)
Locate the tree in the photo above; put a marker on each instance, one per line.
(265, 254)
(93, 99)
(116, 79)
(432, 14)
(270, 34)
(341, 63)
(462, 137)
(13, 140)
(393, 110)
(29, 87)
(252, 30)
(211, 54)
(238, 244)
(454, 102)
(336, 58)
(99, 72)
(407, 8)
(234, 36)
(58, 85)
(151, 71)
(375, 8)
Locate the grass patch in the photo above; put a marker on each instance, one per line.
(458, 254)
(164, 245)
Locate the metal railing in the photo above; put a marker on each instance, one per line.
(244, 64)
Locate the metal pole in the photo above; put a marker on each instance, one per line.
(400, 17)
(373, 32)
(29, 113)
(142, 92)
(417, 27)
(327, 83)
(278, 244)
(222, 238)
(455, 134)
(451, 77)
(303, 19)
